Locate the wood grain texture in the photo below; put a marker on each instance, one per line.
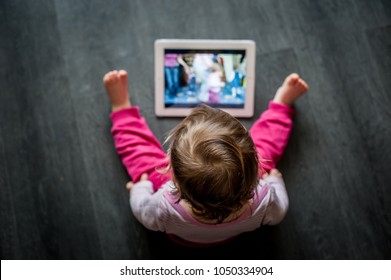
(62, 192)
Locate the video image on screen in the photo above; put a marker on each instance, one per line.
(213, 77)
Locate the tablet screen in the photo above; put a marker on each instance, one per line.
(214, 77)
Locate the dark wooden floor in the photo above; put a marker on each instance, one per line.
(62, 192)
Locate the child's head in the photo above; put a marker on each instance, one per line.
(214, 162)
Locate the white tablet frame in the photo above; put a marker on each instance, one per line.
(162, 44)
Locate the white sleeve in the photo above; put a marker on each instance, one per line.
(278, 203)
(145, 205)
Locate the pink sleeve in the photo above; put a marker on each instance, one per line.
(137, 146)
(271, 133)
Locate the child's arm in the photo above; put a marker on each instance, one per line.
(145, 205)
(278, 203)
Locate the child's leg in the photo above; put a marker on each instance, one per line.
(136, 145)
(138, 148)
(270, 134)
(271, 131)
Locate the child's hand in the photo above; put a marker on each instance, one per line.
(273, 172)
(116, 84)
(130, 184)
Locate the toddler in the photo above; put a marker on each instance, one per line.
(218, 179)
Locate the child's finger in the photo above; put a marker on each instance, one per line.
(129, 185)
(144, 177)
(265, 175)
(275, 172)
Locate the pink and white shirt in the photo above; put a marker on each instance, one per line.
(159, 211)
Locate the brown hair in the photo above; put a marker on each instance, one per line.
(214, 162)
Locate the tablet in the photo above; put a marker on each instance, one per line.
(219, 73)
